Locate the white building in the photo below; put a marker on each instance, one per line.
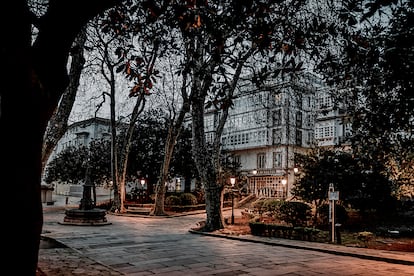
(83, 132)
(267, 127)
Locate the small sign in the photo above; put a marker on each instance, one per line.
(333, 195)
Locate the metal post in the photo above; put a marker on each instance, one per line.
(232, 182)
(232, 207)
(331, 210)
(333, 220)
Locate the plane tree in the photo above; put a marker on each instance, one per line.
(220, 40)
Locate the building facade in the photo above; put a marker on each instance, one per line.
(82, 133)
(267, 127)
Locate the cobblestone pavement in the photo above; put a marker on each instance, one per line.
(138, 245)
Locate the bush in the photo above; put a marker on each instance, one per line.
(365, 237)
(188, 199)
(257, 228)
(258, 206)
(295, 213)
(172, 200)
(272, 207)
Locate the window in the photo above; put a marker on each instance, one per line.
(277, 136)
(308, 121)
(298, 137)
(277, 117)
(310, 138)
(277, 160)
(236, 159)
(261, 160)
(299, 119)
(325, 131)
(324, 101)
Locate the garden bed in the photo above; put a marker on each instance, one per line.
(241, 227)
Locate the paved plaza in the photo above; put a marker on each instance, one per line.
(139, 245)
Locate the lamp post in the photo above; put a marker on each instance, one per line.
(110, 192)
(254, 181)
(295, 173)
(284, 182)
(232, 182)
(178, 184)
(141, 194)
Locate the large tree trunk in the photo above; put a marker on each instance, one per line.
(205, 166)
(160, 188)
(173, 134)
(201, 77)
(33, 78)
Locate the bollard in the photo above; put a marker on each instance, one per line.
(338, 233)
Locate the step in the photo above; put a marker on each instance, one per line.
(139, 210)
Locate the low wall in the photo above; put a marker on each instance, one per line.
(76, 190)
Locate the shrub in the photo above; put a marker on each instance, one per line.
(172, 200)
(365, 237)
(272, 207)
(257, 228)
(258, 206)
(188, 199)
(295, 213)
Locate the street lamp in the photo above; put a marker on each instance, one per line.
(284, 182)
(142, 181)
(178, 184)
(232, 182)
(295, 172)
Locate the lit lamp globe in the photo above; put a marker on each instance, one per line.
(232, 181)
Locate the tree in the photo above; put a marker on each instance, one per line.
(213, 35)
(370, 60)
(58, 123)
(33, 77)
(146, 155)
(359, 189)
(175, 127)
(69, 165)
(147, 147)
(221, 39)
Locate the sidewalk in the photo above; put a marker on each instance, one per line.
(68, 258)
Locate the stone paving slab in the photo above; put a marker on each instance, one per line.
(142, 245)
